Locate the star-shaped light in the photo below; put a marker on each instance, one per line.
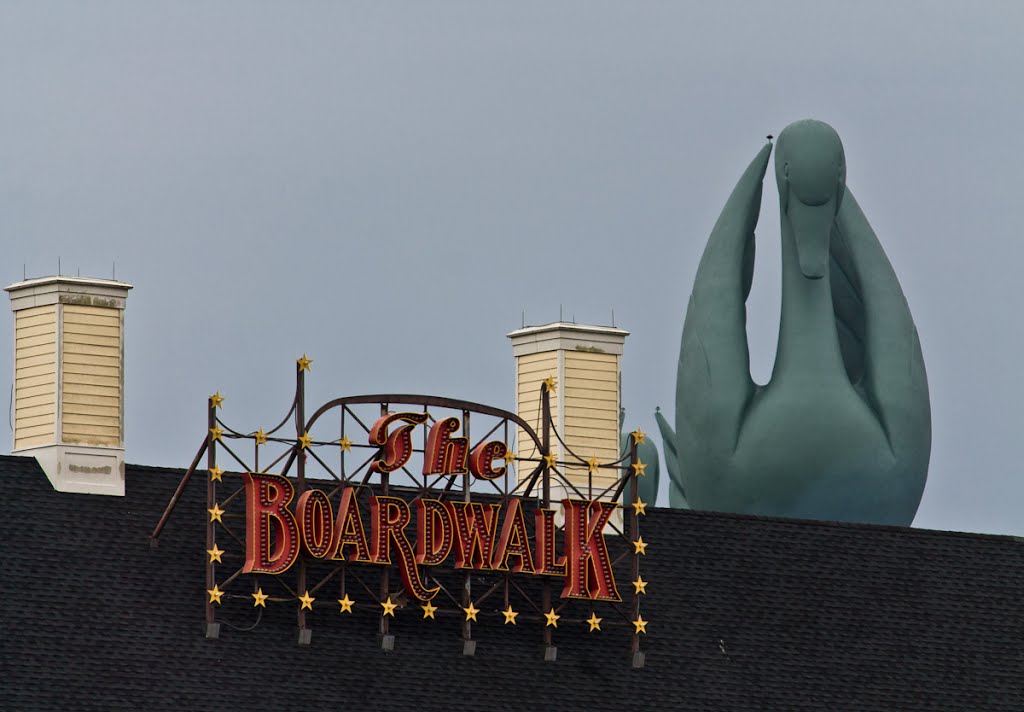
(215, 513)
(640, 507)
(304, 363)
(215, 474)
(640, 586)
(592, 464)
(305, 440)
(551, 460)
(509, 457)
(215, 433)
(551, 384)
(389, 607)
(307, 601)
(428, 610)
(552, 618)
(510, 615)
(215, 594)
(594, 621)
(345, 444)
(640, 624)
(217, 400)
(639, 467)
(215, 554)
(346, 604)
(639, 546)
(261, 598)
(261, 437)
(471, 612)
(639, 435)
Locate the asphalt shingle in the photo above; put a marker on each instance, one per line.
(746, 613)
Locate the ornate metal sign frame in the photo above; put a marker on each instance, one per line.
(349, 458)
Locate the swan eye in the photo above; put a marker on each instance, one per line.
(785, 169)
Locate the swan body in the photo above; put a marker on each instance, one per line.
(842, 431)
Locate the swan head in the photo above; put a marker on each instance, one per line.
(810, 169)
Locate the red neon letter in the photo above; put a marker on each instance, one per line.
(390, 517)
(546, 562)
(590, 568)
(316, 516)
(266, 509)
(514, 541)
(483, 455)
(398, 444)
(445, 455)
(433, 532)
(348, 529)
(475, 534)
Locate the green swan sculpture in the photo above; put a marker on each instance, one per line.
(842, 431)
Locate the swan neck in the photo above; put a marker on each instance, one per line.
(808, 349)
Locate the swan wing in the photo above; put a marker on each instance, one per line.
(677, 495)
(713, 384)
(878, 337)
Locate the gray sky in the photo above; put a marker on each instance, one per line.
(387, 186)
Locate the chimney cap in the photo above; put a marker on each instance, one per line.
(567, 326)
(64, 279)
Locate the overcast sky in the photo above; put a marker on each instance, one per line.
(389, 186)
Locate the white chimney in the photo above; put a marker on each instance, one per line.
(583, 363)
(69, 380)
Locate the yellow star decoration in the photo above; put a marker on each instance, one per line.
(592, 464)
(304, 363)
(305, 440)
(307, 601)
(345, 444)
(261, 598)
(389, 607)
(261, 437)
(215, 474)
(640, 507)
(640, 624)
(428, 610)
(639, 547)
(216, 513)
(216, 432)
(551, 384)
(552, 618)
(639, 467)
(346, 604)
(217, 400)
(594, 621)
(640, 586)
(471, 612)
(639, 435)
(510, 615)
(215, 594)
(215, 554)
(510, 457)
(551, 460)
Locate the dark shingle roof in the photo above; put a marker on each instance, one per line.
(746, 613)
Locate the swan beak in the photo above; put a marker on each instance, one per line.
(812, 231)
